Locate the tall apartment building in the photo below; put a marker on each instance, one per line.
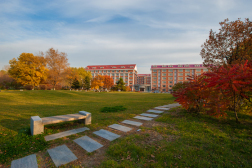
(128, 72)
(163, 77)
(143, 83)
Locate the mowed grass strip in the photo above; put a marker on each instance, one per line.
(17, 107)
(181, 139)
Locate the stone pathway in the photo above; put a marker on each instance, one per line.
(106, 134)
(62, 154)
(132, 123)
(149, 115)
(88, 144)
(25, 162)
(65, 133)
(143, 118)
(120, 127)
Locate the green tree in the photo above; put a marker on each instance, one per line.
(87, 81)
(28, 69)
(120, 85)
(76, 84)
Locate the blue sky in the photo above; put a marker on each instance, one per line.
(94, 32)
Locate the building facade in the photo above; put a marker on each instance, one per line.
(163, 77)
(143, 83)
(128, 72)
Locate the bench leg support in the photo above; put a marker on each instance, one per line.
(87, 120)
(36, 125)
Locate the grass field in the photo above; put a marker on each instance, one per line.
(176, 139)
(17, 107)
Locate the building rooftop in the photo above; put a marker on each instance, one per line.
(177, 66)
(122, 66)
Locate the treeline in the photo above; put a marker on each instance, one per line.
(228, 84)
(44, 71)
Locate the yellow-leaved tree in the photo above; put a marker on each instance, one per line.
(28, 69)
(97, 83)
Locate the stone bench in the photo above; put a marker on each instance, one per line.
(37, 123)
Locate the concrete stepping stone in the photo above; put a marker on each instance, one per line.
(65, 133)
(149, 115)
(88, 144)
(155, 111)
(61, 155)
(143, 118)
(161, 108)
(120, 127)
(25, 162)
(132, 123)
(172, 105)
(106, 134)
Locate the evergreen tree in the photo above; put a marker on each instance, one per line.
(76, 84)
(120, 85)
(87, 80)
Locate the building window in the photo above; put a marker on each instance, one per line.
(180, 74)
(154, 74)
(170, 78)
(198, 70)
(105, 71)
(163, 74)
(108, 74)
(154, 81)
(154, 70)
(205, 70)
(121, 74)
(163, 70)
(180, 78)
(198, 73)
(100, 71)
(113, 71)
(170, 70)
(113, 74)
(170, 85)
(117, 70)
(126, 70)
(180, 70)
(104, 74)
(170, 81)
(187, 70)
(170, 74)
(163, 90)
(117, 77)
(130, 83)
(188, 74)
(163, 81)
(130, 72)
(108, 70)
(117, 74)
(130, 79)
(164, 78)
(96, 71)
(154, 78)
(164, 86)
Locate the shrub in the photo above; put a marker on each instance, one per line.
(28, 87)
(58, 87)
(112, 109)
(49, 87)
(42, 87)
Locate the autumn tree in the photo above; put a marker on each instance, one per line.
(82, 76)
(231, 45)
(108, 82)
(57, 64)
(97, 82)
(5, 79)
(28, 69)
(70, 74)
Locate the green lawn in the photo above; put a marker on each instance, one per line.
(176, 139)
(18, 106)
(181, 139)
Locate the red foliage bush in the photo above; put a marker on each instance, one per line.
(42, 87)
